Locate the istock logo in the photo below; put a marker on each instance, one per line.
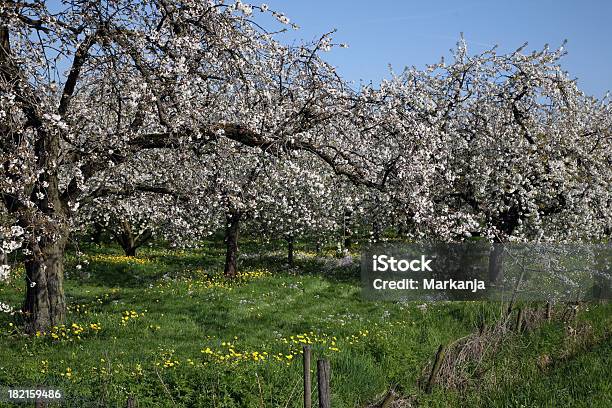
(384, 263)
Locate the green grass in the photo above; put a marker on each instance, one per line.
(174, 350)
(582, 381)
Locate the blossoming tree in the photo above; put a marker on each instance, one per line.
(140, 75)
(195, 103)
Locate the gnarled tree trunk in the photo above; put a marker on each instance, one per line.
(231, 242)
(45, 303)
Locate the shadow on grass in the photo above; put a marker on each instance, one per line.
(153, 264)
(328, 268)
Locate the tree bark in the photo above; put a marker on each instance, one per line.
(126, 239)
(231, 242)
(45, 303)
(290, 242)
(496, 263)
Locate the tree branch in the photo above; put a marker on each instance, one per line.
(80, 57)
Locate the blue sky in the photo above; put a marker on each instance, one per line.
(406, 33)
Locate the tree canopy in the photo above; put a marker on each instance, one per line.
(187, 116)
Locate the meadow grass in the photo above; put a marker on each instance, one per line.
(168, 329)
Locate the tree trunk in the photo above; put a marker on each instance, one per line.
(130, 251)
(231, 242)
(496, 263)
(96, 235)
(348, 232)
(290, 242)
(126, 239)
(45, 304)
(130, 242)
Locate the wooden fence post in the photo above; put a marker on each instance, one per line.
(436, 367)
(131, 402)
(307, 380)
(548, 311)
(323, 376)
